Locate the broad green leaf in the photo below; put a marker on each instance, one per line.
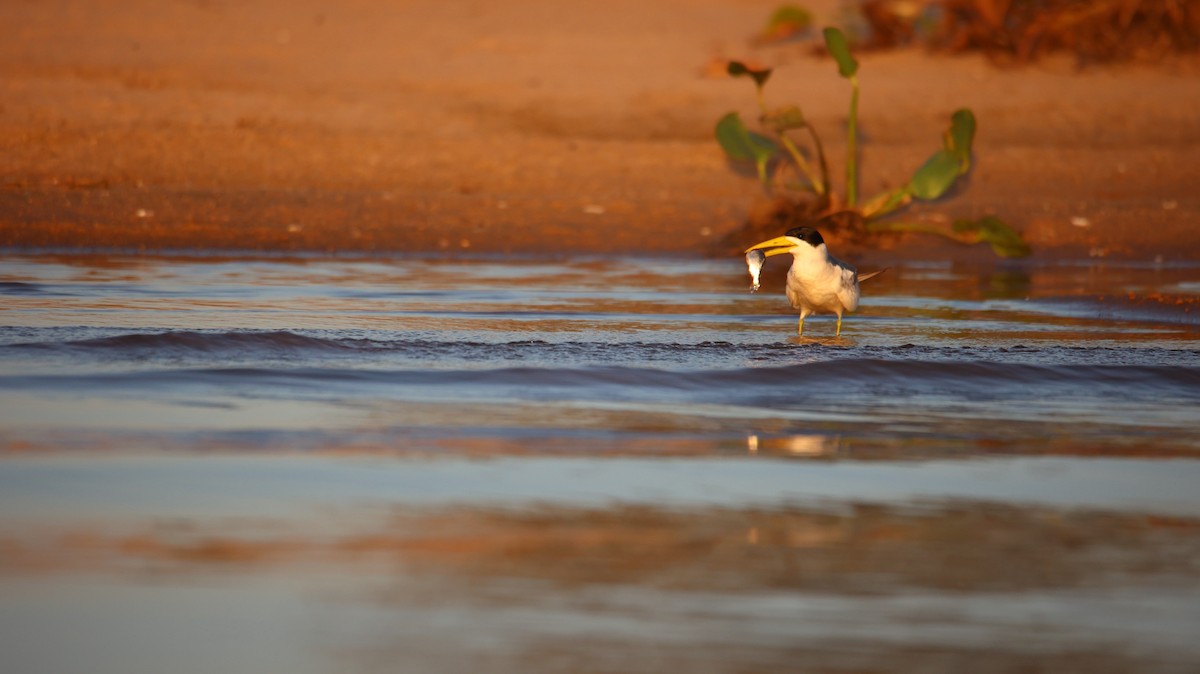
(739, 69)
(935, 176)
(786, 21)
(1004, 240)
(960, 136)
(742, 144)
(784, 119)
(835, 41)
(940, 171)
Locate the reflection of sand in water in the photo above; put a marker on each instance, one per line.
(882, 588)
(846, 546)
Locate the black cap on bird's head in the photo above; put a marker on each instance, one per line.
(789, 242)
(807, 234)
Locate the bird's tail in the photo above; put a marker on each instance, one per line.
(864, 277)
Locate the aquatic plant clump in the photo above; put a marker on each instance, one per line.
(1025, 30)
(776, 150)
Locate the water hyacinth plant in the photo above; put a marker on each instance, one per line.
(777, 147)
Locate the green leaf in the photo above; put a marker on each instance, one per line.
(784, 119)
(940, 171)
(960, 136)
(739, 69)
(935, 176)
(839, 48)
(742, 144)
(786, 21)
(1004, 240)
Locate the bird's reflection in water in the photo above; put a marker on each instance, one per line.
(794, 445)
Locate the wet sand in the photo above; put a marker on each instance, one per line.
(533, 127)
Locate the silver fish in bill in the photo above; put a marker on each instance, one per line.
(754, 263)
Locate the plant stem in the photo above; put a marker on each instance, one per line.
(820, 158)
(852, 146)
(886, 202)
(817, 184)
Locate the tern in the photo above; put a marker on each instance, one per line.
(817, 281)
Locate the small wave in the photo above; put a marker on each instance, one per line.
(200, 342)
(709, 371)
(20, 288)
(830, 380)
(264, 346)
(380, 350)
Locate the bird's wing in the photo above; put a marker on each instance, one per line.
(873, 274)
(847, 293)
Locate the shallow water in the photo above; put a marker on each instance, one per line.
(539, 465)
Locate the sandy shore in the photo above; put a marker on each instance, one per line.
(531, 127)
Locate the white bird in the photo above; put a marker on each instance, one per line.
(817, 281)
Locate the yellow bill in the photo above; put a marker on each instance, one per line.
(776, 246)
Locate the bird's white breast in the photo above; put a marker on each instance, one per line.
(819, 282)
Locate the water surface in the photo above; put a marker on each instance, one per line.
(594, 465)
